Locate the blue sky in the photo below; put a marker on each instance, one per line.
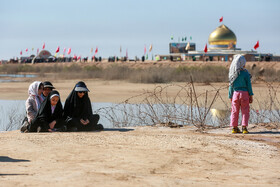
(132, 24)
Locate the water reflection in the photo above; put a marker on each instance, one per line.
(218, 113)
(5, 77)
(7, 80)
(18, 75)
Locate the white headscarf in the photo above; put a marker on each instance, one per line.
(236, 65)
(33, 91)
(33, 88)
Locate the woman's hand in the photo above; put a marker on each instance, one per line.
(52, 124)
(84, 122)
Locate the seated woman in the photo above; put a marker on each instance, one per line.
(78, 111)
(50, 115)
(48, 87)
(32, 103)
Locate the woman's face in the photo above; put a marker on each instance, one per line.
(40, 90)
(81, 94)
(54, 100)
(47, 91)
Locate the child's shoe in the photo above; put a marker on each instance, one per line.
(235, 130)
(245, 130)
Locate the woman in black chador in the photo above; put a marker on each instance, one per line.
(78, 111)
(50, 115)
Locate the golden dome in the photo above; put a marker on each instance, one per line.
(222, 36)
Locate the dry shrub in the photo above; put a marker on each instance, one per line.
(15, 116)
(152, 75)
(188, 108)
(271, 75)
(204, 74)
(159, 107)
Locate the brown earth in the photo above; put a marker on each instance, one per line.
(141, 156)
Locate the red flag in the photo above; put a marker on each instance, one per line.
(257, 45)
(221, 19)
(44, 46)
(64, 50)
(205, 48)
(26, 49)
(79, 57)
(20, 53)
(37, 51)
(96, 50)
(57, 50)
(145, 50)
(75, 57)
(69, 51)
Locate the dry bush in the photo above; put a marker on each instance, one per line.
(271, 75)
(204, 74)
(268, 110)
(159, 107)
(15, 117)
(152, 75)
(187, 108)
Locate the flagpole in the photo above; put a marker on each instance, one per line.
(90, 54)
(120, 52)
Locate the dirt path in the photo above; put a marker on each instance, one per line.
(142, 156)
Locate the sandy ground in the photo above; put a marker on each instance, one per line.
(140, 156)
(100, 91)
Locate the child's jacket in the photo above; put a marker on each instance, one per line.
(241, 83)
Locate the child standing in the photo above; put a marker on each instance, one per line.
(240, 93)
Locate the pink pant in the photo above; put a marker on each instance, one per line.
(239, 99)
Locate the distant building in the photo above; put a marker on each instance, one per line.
(44, 54)
(181, 47)
(222, 46)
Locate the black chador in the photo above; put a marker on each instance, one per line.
(48, 115)
(78, 110)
